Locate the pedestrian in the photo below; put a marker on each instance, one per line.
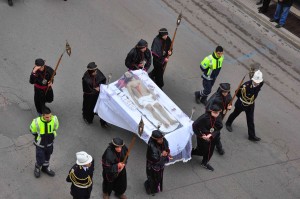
(282, 11)
(160, 49)
(44, 130)
(211, 67)
(158, 154)
(81, 176)
(223, 98)
(40, 77)
(91, 81)
(246, 97)
(139, 57)
(114, 169)
(207, 128)
(265, 6)
(10, 3)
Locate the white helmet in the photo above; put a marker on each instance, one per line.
(257, 77)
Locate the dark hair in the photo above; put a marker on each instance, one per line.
(219, 49)
(46, 110)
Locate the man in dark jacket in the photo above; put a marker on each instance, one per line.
(160, 51)
(223, 98)
(207, 128)
(139, 57)
(40, 77)
(81, 176)
(158, 153)
(114, 169)
(246, 96)
(282, 11)
(91, 81)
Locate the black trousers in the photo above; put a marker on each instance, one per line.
(205, 149)
(207, 86)
(218, 142)
(249, 110)
(265, 6)
(43, 156)
(154, 182)
(40, 98)
(88, 105)
(118, 185)
(157, 74)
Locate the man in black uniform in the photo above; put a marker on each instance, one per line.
(207, 128)
(40, 77)
(81, 176)
(91, 81)
(139, 57)
(158, 153)
(223, 98)
(160, 51)
(114, 169)
(245, 102)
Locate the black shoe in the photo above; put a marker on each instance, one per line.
(262, 11)
(87, 122)
(197, 98)
(221, 151)
(48, 171)
(10, 3)
(259, 2)
(278, 26)
(254, 138)
(203, 100)
(207, 166)
(274, 20)
(228, 127)
(105, 126)
(37, 171)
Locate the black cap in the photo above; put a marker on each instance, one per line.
(162, 32)
(214, 107)
(219, 49)
(92, 66)
(225, 87)
(46, 110)
(142, 44)
(156, 134)
(117, 142)
(39, 62)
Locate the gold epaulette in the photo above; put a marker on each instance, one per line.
(80, 182)
(244, 98)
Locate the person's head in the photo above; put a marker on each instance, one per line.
(83, 159)
(158, 136)
(40, 63)
(92, 68)
(257, 78)
(225, 89)
(142, 45)
(46, 113)
(118, 144)
(219, 51)
(128, 76)
(215, 110)
(163, 33)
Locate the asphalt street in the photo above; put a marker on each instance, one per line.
(104, 31)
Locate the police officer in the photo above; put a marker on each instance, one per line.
(91, 81)
(211, 67)
(223, 98)
(44, 130)
(40, 77)
(139, 57)
(81, 176)
(160, 49)
(246, 96)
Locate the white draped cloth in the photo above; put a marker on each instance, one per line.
(116, 106)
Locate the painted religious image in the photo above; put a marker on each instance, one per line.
(143, 97)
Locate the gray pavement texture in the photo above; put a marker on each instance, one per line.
(104, 31)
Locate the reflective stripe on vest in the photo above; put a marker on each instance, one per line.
(38, 138)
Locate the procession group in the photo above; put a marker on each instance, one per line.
(206, 128)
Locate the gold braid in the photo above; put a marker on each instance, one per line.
(249, 100)
(76, 180)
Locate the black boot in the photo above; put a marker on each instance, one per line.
(48, 171)
(37, 171)
(10, 3)
(203, 100)
(197, 97)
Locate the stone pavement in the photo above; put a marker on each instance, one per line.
(250, 7)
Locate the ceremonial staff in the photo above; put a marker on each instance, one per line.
(140, 132)
(173, 39)
(68, 50)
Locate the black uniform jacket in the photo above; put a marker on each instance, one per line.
(81, 181)
(219, 99)
(160, 48)
(154, 151)
(205, 122)
(110, 160)
(250, 90)
(39, 76)
(135, 57)
(89, 83)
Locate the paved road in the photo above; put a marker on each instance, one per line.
(104, 31)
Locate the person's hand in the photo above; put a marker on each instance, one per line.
(229, 106)
(121, 166)
(166, 59)
(97, 89)
(141, 65)
(169, 52)
(50, 84)
(164, 153)
(36, 68)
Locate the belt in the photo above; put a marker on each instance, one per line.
(40, 87)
